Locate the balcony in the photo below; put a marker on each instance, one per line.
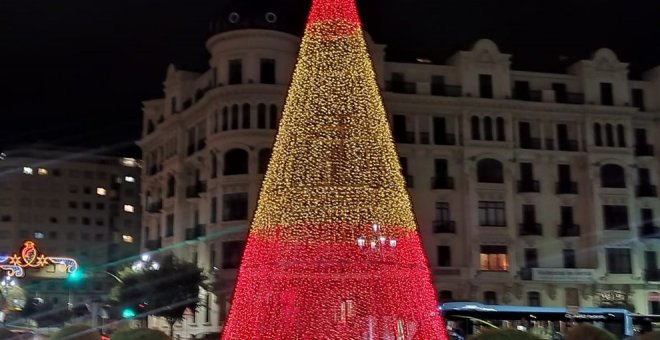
(196, 232)
(195, 190)
(549, 144)
(155, 207)
(154, 244)
(569, 98)
(647, 190)
(446, 90)
(444, 227)
(529, 95)
(410, 181)
(528, 186)
(442, 183)
(567, 187)
(401, 87)
(649, 232)
(642, 150)
(531, 143)
(569, 230)
(525, 274)
(445, 139)
(531, 229)
(652, 274)
(404, 138)
(567, 145)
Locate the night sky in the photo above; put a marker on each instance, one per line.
(75, 72)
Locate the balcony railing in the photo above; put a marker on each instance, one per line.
(567, 145)
(531, 229)
(525, 274)
(195, 232)
(195, 190)
(405, 138)
(438, 183)
(570, 98)
(444, 139)
(569, 230)
(647, 190)
(401, 87)
(444, 227)
(530, 143)
(530, 95)
(154, 244)
(446, 90)
(528, 186)
(155, 207)
(652, 274)
(567, 188)
(549, 144)
(642, 150)
(649, 232)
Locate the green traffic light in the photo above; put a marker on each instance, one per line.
(75, 276)
(128, 313)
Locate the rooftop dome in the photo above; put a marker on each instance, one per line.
(283, 15)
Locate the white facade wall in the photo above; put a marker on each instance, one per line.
(457, 99)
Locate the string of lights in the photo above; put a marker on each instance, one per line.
(333, 176)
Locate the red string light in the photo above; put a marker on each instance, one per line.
(333, 250)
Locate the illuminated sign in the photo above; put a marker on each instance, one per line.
(15, 265)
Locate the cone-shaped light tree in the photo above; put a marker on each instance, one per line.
(333, 251)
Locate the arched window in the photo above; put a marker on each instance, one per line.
(234, 117)
(273, 117)
(476, 131)
(214, 165)
(171, 186)
(501, 133)
(598, 135)
(488, 128)
(225, 118)
(621, 135)
(246, 116)
(534, 299)
(490, 171)
(264, 158)
(612, 176)
(490, 298)
(236, 162)
(261, 116)
(609, 134)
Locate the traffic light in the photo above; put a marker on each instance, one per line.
(75, 276)
(127, 313)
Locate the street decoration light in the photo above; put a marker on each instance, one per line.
(376, 241)
(145, 262)
(30, 257)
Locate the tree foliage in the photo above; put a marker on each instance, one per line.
(165, 292)
(77, 332)
(586, 331)
(139, 334)
(44, 314)
(504, 334)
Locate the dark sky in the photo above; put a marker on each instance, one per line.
(74, 72)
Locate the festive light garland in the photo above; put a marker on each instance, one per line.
(30, 257)
(334, 178)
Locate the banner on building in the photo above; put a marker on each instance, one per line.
(563, 275)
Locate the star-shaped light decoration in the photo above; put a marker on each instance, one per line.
(15, 260)
(42, 260)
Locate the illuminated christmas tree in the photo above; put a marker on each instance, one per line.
(333, 251)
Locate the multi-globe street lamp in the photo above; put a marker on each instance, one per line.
(376, 241)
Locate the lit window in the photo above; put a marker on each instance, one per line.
(494, 258)
(127, 238)
(129, 179)
(129, 162)
(101, 191)
(129, 208)
(38, 235)
(27, 170)
(42, 172)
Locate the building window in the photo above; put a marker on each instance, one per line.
(444, 256)
(609, 135)
(475, 127)
(101, 191)
(485, 86)
(235, 72)
(531, 258)
(267, 71)
(490, 298)
(273, 117)
(171, 186)
(490, 171)
(235, 207)
(606, 94)
(261, 116)
(618, 260)
(638, 99)
(615, 217)
(264, 158)
(492, 214)
(569, 258)
(621, 135)
(493, 258)
(488, 128)
(501, 130)
(598, 135)
(236, 162)
(169, 225)
(231, 254)
(42, 172)
(129, 179)
(612, 176)
(28, 170)
(214, 210)
(247, 112)
(225, 118)
(234, 117)
(129, 208)
(534, 299)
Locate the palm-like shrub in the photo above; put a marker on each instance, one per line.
(77, 332)
(139, 334)
(504, 334)
(588, 332)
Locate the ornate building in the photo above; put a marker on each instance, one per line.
(529, 188)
